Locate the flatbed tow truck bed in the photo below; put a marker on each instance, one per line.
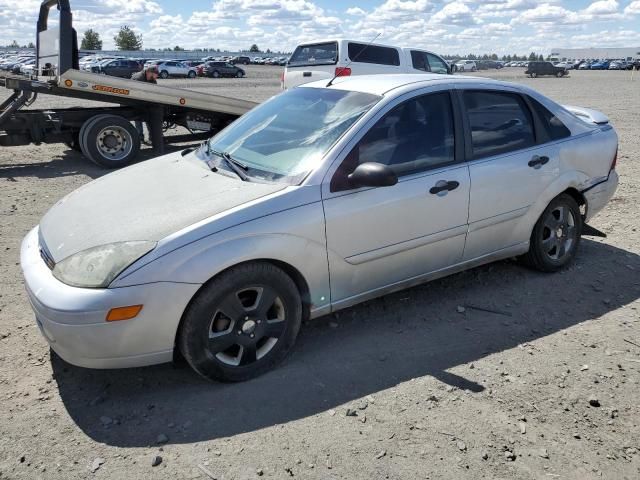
(104, 134)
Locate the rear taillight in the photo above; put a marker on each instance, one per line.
(343, 72)
(615, 161)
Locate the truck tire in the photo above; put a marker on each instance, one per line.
(110, 141)
(164, 74)
(83, 129)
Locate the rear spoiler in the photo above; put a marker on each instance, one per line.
(588, 115)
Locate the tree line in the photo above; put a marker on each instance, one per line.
(127, 39)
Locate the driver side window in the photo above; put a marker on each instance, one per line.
(415, 136)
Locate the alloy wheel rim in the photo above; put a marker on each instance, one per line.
(246, 326)
(559, 233)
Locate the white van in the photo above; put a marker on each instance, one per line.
(324, 60)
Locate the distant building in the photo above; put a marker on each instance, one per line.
(595, 53)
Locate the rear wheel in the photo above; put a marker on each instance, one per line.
(164, 74)
(242, 323)
(239, 75)
(110, 141)
(534, 75)
(215, 74)
(560, 74)
(556, 235)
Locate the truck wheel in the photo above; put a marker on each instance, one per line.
(191, 74)
(87, 124)
(164, 74)
(110, 141)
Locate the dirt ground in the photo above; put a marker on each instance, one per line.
(504, 388)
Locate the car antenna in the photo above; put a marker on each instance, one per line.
(340, 69)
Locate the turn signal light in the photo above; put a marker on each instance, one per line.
(343, 72)
(123, 313)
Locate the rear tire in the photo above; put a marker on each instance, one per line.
(239, 75)
(556, 236)
(215, 74)
(110, 141)
(534, 75)
(560, 74)
(242, 323)
(164, 74)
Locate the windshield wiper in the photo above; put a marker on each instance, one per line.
(236, 166)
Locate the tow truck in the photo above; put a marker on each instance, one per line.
(104, 134)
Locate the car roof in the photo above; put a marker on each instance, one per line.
(382, 84)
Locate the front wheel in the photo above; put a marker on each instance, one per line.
(560, 74)
(215, 74)
(164, 74)
(191, 74)
(534, 75)
(239, 75)
(242, 323)
(556, 235)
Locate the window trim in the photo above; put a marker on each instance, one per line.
(469, 157)
(458, 136)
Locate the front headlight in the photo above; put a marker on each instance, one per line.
(97, 267)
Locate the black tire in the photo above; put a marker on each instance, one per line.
(191, 74)
(215, 74)
(118, 139)
(87, 124)
(560, 74)
(239, 74)
(164, 74)
(534, 75)
(246, 327)
(545, 242)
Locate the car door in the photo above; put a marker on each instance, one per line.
(510, 165)
(380, 237)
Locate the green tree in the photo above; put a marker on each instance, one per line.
(126, 39)
(14, 44)
(91, 40)
(541, 57)
(254, 49)
(533, 56)
(31, 45)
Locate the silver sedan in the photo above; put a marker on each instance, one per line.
(318, 199)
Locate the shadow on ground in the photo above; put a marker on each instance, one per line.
(376, 345)
(69, 163)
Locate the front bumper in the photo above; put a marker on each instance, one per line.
(72, 319)
(599, 195)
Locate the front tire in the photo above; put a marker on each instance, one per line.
(556, 236)
(560, 74)
(164, 74)
(191, 74)
(242, 323)
(215, 74)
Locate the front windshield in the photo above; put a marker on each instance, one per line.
(286, 137)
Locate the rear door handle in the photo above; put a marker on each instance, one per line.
(537, 162)
(442, 187)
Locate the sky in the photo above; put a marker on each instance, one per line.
(444, 26)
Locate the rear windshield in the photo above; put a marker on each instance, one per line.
(316, 54)
(363, 53)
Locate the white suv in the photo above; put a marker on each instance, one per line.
(175, 69)
(466, 66)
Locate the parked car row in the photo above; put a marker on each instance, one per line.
(16, 63)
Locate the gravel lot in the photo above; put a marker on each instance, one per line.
(498, 389)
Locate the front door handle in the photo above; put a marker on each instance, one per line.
(537, 162)
(442, 187)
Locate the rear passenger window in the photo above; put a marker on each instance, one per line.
(552, 125)
(363, 53)
(500, 122)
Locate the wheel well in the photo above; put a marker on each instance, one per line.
(294, 274)
(580, 200)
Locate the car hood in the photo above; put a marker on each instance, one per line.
(147, 201)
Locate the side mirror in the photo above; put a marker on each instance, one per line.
(372, 174)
